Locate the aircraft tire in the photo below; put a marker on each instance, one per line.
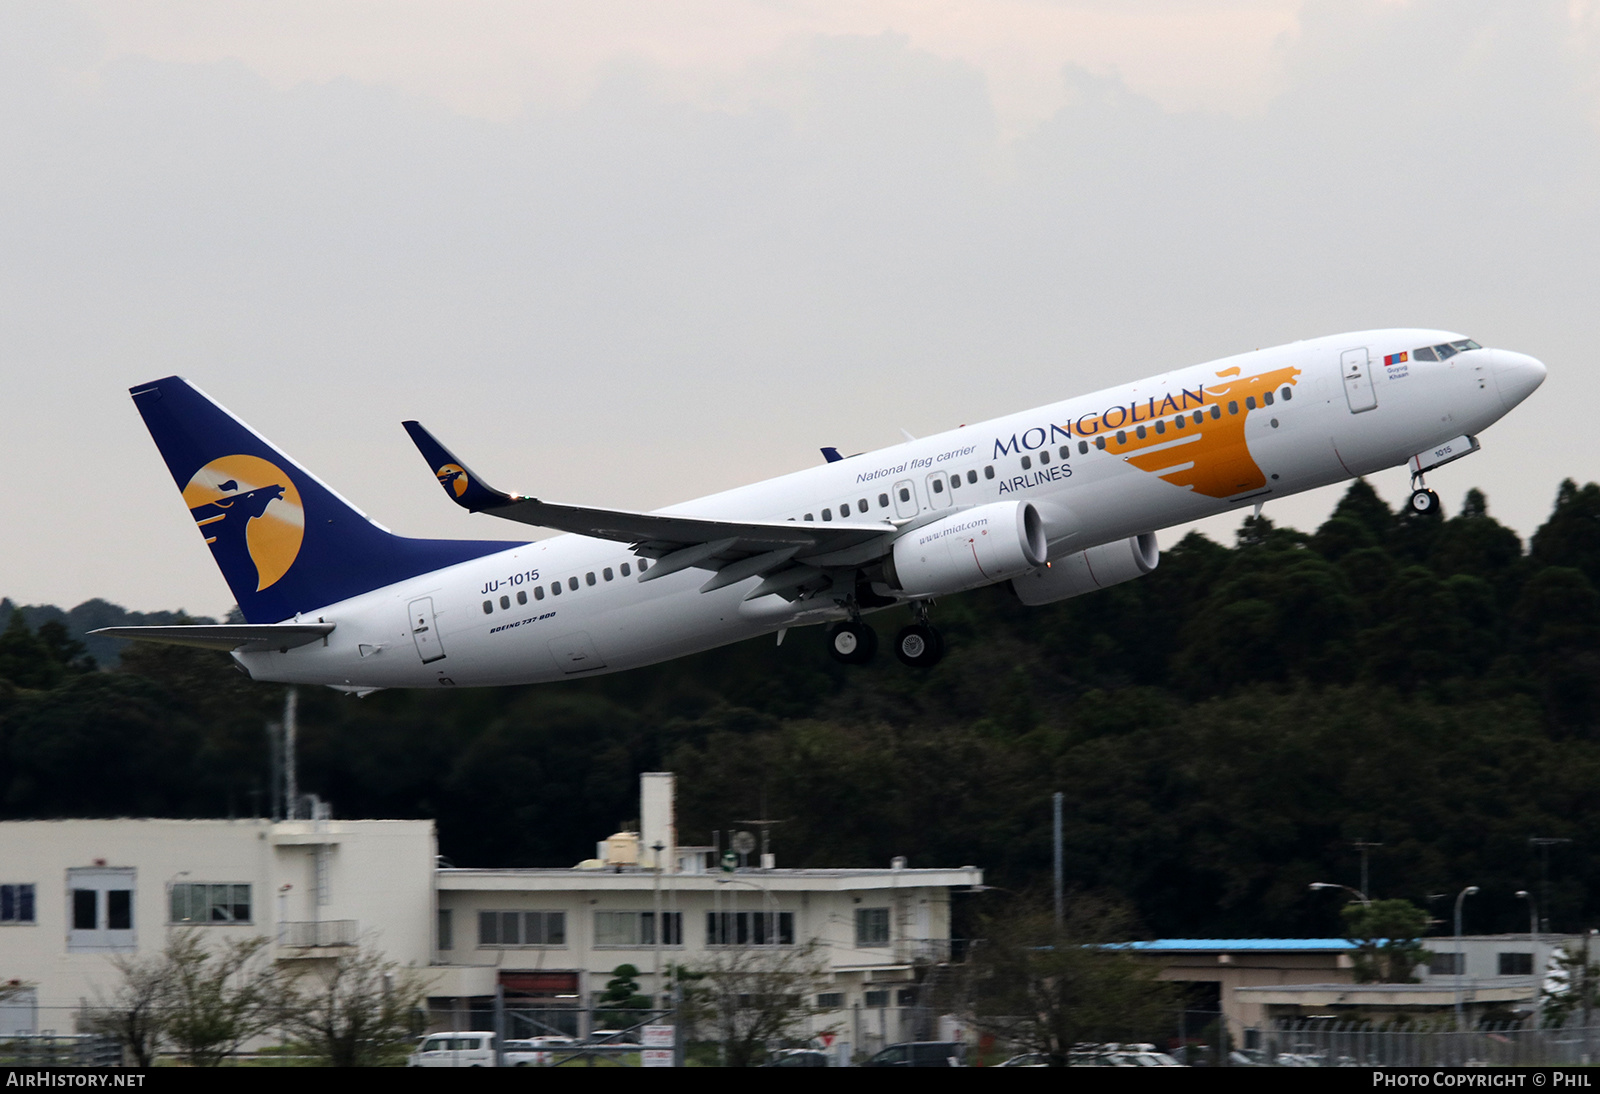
(852, 643)
(1424, 502)
(919, 646)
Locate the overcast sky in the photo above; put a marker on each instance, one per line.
(626, 252)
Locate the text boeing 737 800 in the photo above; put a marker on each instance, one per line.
(1058, 501)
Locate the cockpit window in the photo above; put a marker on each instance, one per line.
(1444, 351)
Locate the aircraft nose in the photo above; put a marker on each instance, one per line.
(1516, 375)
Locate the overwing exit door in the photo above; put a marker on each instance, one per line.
(424, 632)
(1357, 368)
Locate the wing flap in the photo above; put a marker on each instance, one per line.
(249, 637)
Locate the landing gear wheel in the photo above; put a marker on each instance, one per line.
(852, 643)
(1424, 501)
(919, 646)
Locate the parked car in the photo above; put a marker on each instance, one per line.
(921, 1054)
(534, 1051)
(467, 1048)
(798, 1057)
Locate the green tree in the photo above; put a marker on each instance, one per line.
(1388, 937)
(756, 997)
(358, 1010)
(623, 1004)
(1047, 987)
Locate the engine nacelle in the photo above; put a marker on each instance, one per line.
(965, 550)
(1085, 571)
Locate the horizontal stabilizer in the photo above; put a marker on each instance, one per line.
(249, 637)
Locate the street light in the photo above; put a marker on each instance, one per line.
(1460, 958)
(1359, 895)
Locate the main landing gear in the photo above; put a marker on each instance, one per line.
(918, 645)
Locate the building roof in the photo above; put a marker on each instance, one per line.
(567, 879)
(1239, 945)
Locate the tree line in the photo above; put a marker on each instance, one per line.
(1223, 730)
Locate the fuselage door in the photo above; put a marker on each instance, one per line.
(424, 632)
(1357, 369)
(905, 499)
(576, 653)
(938, 491)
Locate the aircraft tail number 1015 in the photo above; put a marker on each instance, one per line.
(1058, 501)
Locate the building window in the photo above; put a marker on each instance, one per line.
(830, 1000)
(522, 929)
(205, 902)
(101, 910)
(637, 928)
(905, 997)
(878, 998)
(447, 930)
(872, 926)
(1445, 964)
(749, 928)
(1516, 964)
(16, 904)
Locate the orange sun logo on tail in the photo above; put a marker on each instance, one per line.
(250, 513)
(453, 477)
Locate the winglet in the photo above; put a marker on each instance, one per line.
(460, 484)
(831, 455)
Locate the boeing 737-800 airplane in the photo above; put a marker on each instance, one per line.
(1059, 501)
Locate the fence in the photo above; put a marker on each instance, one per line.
(1352, 1044)
(59, 1050)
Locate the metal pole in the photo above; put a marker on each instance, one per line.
(661, 925)
(1056, 800)
(291, 705)
(1460, 958)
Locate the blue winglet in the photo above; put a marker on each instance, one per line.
(831, 455)
(460, 484)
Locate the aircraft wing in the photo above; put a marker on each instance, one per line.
(251, 637)
(788, 552)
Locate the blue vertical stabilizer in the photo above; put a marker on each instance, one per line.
(285, 542)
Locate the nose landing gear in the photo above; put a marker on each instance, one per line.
(1424, 502)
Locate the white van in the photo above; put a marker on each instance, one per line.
(464, 1049)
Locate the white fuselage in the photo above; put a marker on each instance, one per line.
(496, 620)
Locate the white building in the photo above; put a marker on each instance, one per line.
(73, 894)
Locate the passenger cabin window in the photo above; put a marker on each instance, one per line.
(972, 478)
(1083, 448)
(827, 514)
(1161, 427)
(883, 501)
(1287, 394)
(1250, 402)
(938, 485)
(555, 588)
(588, 578)
(538, 592)
(861, 506)
(505, 602)
(1122, 436)
(644, 564)
(522, 597)
(1044, 456)
(1233, 407)
(1100, 443)
(810, 517)
(625, 570)
(488, 607)
(1026, 463)
(844, 509)
(572, 582)
(1139, 431)
(1180, 422)
(1266, 397)
(988, 472)
(607, 574)
(955, 481)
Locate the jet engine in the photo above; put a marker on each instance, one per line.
(974, 547)
(1085, 571)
